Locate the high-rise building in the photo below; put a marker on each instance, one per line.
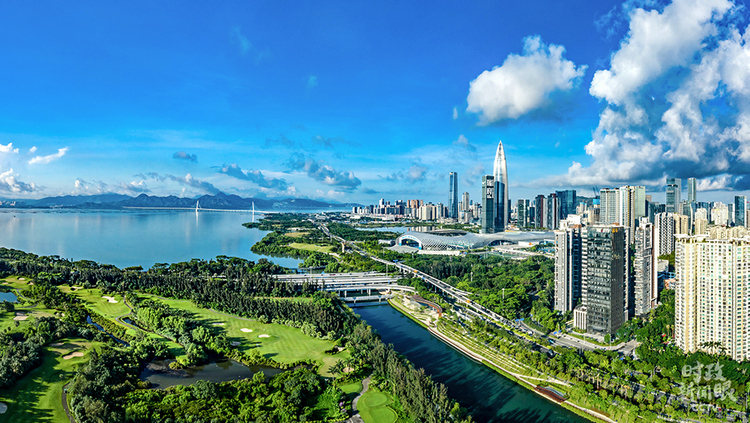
(567, 203)
(646, 280)
(540, 214)
(453, 195)
(720, 214)
(700, 226)
(631, 206)
(568, 266)
(605, 278)
(712, 286)
(500, 173)
(488, 204)
(553, 214)
(692, 190)
(608, 204)
(522, 214)
(681, 224)
(740, 202)
(674, 188)
(664, 233)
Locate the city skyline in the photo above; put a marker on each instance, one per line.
(315, 101)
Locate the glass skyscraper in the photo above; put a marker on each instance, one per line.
(566, 201)
(739, 210)
(453, 192)
(674, 187)
(692, 190)
(488, 204)
(500, 174)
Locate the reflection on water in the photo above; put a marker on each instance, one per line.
(161, 376)
(489, 396)
(132, 238)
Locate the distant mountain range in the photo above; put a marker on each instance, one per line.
(218, 201)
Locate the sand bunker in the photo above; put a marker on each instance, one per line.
(71, 355)
(20, 316)
(56, 344)
(110, 299)
(21, 279)
(218, 324)
(264, 336)
(246, 330)
(235, 343)
(3, 408)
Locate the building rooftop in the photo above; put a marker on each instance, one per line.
(470, 241)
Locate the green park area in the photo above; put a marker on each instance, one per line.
(281, 343)
(374, 407)
(312, 247)
(37, 397)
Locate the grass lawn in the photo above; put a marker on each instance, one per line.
(283, 343)
(93, 300)
(311, 247)
(374, 407)
(351, 389)
(296, 234)
(16, 282)
(38, 396)
(6, 319)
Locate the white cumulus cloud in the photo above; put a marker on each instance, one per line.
(523, 83)
(677, 99)
(9, 183)
(49, 158)
(656, 43)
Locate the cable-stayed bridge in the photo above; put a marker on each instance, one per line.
(198, 208)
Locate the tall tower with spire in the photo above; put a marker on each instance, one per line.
(502, 214)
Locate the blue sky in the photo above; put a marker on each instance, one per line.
(356, 101)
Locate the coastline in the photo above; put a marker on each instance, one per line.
(519, 379)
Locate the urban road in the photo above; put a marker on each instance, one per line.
(462, 299)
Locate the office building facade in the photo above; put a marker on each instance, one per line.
(453, 195)
(566, 203)
(674, 189)
(646, 289)
(605, 279)
(488, 204)
(740, 203)
(692, 190)
(522, 213)
(502, 203)
(568, 266)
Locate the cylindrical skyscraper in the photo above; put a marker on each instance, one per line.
(501, 192)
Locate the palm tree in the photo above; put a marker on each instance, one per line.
(338, 368)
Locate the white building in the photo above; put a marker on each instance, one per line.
(664, 233)
(646, 277)
(712, 311)
(568, 266)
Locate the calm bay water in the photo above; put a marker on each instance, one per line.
(132, 238)
(489, 396)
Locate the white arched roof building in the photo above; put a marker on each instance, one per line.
(470, 241)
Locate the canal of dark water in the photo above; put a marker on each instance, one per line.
(489, 396)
